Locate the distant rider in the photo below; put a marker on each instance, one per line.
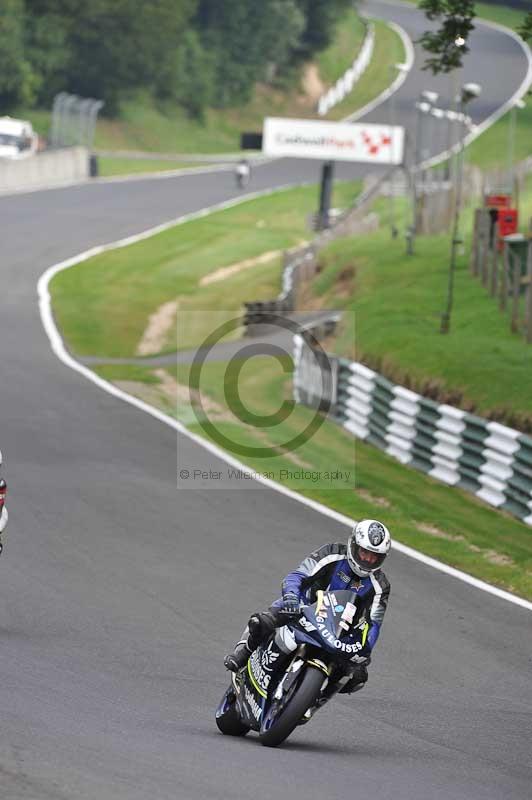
(242, 173)
(355, 566)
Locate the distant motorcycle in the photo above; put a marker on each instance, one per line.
(277, 691)
(242, 174)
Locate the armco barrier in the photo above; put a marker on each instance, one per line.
(485, 458)
(48, 168)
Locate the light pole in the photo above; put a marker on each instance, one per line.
(424, 106)
(511, 141)
(469, 92)
(393, 226)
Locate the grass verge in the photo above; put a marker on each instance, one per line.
(443, 522)
(381, 72)
(110, 165)
(122, 288)
(491, 148)
(398, 301)
(338, 57)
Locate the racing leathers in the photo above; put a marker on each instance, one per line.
(327, 569)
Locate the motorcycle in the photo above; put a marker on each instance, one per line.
(242, 175)
(296, 671)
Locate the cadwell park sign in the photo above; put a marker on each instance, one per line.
(333, 141)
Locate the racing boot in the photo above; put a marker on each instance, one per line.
(259, 628)
(238, 658)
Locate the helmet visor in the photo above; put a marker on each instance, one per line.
(366, 559)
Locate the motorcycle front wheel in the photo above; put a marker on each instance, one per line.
(274, 732)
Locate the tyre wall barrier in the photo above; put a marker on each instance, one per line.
(487, 459)
(47, 168)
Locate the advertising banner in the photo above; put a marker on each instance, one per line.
(333, 141)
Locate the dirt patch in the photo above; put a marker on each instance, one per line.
(279, 450)
(381, 502)
(312, 84)
(159, 324)
(344, 286)
(490, 555)
(181, 394)
(498, 558)
(168, 394)
(232, 269)
(432, 530)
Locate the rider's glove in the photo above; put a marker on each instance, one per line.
(290, 603)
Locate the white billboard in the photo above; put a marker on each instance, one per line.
(333, 141)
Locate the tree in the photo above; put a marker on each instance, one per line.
(191, 82)
(321, 18)
(244, 37)
(117, 45)
(456, 24)
(526, 28)
(17, 79)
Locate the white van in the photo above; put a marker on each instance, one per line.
(17, 138)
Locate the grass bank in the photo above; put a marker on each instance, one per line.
(491, 149)
(381, 72)
(122, 288)
(398, 301)
(110, 165)
(445, 523)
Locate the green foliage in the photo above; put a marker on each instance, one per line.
(17, 80)
(526, 29)
(195, 53)
(245, 39)
(321, 17)
(191, 77)
(123, 45)
(456, 21)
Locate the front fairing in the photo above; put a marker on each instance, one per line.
(329, 624)
(264, 668)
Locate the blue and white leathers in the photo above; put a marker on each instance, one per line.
(328, 569)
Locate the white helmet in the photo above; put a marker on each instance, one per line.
(368, 546)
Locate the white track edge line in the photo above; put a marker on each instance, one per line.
(58, 347)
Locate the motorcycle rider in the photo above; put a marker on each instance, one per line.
(356, 566)
(242, 173)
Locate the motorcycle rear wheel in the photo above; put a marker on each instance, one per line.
(227, 719)
(304, 697)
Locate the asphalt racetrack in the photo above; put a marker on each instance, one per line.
(120, 594)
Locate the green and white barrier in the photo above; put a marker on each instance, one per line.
(490, 460)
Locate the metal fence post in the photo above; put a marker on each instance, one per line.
(516, 285)
(503, 295)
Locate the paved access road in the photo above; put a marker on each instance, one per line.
(119, 595)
